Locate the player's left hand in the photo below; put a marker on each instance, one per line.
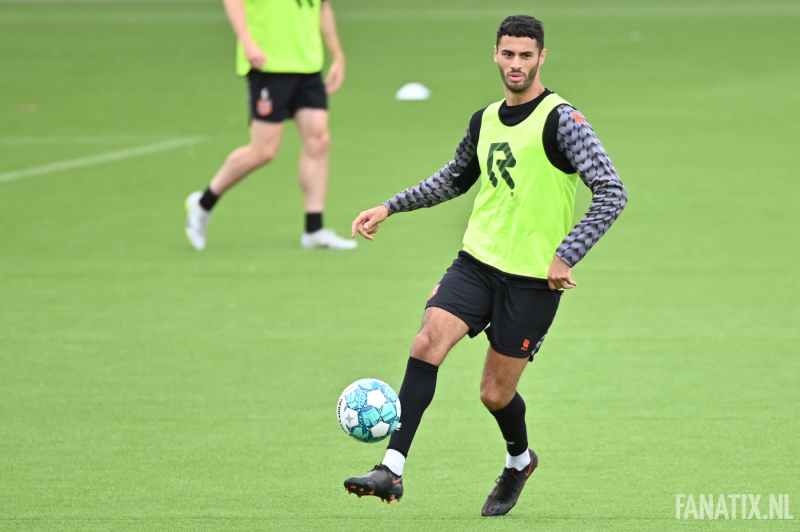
(335, 76)
(559, 276)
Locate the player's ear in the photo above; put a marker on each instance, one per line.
(495, 53)
(542, 56)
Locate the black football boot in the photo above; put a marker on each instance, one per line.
(505, 493)
(380, 482)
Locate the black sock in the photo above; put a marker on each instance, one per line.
(313, 222)
(415, 395)
(511, 419)
(208, 200)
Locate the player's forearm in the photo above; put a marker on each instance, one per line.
(327, 26)
(450, 182)
(608, 201)
(578, 142)
(236, 15)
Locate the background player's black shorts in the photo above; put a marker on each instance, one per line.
(275, 97)
(519, 309)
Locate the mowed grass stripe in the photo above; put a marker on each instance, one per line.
(45, 140)
(98, 159)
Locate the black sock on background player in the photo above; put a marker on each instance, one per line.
(313, 219)
(511, 419)
(313, 222)
(416, 394)
(208, 200)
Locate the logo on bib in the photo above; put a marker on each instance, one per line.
(507, 161)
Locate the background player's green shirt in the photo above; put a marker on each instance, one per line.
(288, 33)
(525, 206)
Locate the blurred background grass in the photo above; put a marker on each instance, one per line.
(145, 386)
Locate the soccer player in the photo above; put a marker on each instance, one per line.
(528, 152)
(280, 51)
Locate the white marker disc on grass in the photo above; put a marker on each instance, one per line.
(413, 91)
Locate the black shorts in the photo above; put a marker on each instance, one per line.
(519, 309)
(275, 97)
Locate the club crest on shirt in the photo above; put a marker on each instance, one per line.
(264, 104)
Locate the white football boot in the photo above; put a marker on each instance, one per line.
(197, 219)
(326, 238)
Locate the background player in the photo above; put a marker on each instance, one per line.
(280, 51)
(518, 251)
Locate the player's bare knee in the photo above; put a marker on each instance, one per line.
(324, 140)
(426, 347)
(493, 398)
(318, 144)
(263, 154)
(422, 344)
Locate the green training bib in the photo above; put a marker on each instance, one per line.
(525, 205)
(288, 33)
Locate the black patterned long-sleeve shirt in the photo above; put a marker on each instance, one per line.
(570, 145)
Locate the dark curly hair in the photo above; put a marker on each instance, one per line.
(522, 26)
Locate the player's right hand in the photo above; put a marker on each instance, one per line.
(255, 56)
(367, 222)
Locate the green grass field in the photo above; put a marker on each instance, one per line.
(145, 386)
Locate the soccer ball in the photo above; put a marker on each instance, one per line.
(368, 410)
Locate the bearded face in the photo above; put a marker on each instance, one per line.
(518, 59)
(517, 80)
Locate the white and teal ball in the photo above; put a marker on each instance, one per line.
(368, 410)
